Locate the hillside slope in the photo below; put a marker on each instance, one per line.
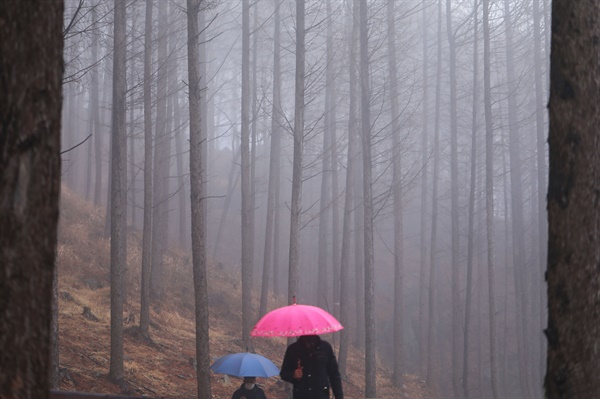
(164, 367)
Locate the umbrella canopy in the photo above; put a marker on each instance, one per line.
(245, 364)
(295, 320)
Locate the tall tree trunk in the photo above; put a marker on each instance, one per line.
(31, 68)
(332, 129)
(454, 183)
(323, 292)
(422, 337)
(160, 159)
(274, 161)
(489, 193)
(519, 258)
(397, 190)
(473, 184)
(94, 127)
(369, 268)
(183, 231)
(118, 209)
(434, 203)
(349, 191)
(197, 197)
(296, 200)
(247, 237)
(357, 173)
(148, 190)
(573, 330)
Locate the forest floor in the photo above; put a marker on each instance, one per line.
(164, 367)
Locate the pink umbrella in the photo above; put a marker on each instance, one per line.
(295, 320)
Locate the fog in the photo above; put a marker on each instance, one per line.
(443, 101)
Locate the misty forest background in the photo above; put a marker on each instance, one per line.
(384, 160)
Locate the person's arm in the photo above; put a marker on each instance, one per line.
(288, 366)
(335, 379)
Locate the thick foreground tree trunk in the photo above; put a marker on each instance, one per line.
(573, 193)
(31, 68)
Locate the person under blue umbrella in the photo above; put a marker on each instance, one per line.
(249, 390)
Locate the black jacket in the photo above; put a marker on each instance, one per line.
(319, 368)
(254, 393)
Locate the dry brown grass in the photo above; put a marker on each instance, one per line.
(161, 368)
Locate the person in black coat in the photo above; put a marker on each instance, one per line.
(249, 390)
(310, 365)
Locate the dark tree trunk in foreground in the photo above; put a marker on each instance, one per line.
(118, 208)
(573, 331)
(31, 68)
(197, 177)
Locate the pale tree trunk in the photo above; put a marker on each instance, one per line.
(332, 125)
(197, 197)
(94, 127)
(357, 174)
(473, 184)
(31, 68)
(323, 293)
(422, 338)
(349, 192)
(397, 192)
(434, 204)
(454, 183)
(573, 330)
(118, 209)
(489, 193)
(369, 268)
(296, 200)
(231, 186)
(274, 162)
(247, 238)
(148, 190)
(160, 159)
(519, 258)
(183, 231)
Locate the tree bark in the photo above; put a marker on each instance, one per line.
(296, 200)
(573, 331)
(118, 209)
(148, 189)
(489, 194)
(197, 197)
(31, 68)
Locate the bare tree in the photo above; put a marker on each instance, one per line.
(118, 191)
(197, 178)
(397, 192)
(489, 192)
(148, 190)
(573, 331)
(274, 160)
(247, 234)
(296, 200)
(471, 217)
(369, 267)
(351, 36)
(456, 308)
(434, 201)
(31, 69)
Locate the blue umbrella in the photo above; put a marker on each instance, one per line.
(245, 364)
